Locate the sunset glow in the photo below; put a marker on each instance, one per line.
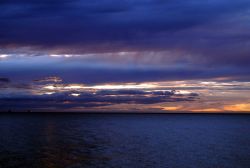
(238, 107)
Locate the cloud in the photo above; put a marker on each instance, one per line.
(195, 28)
(243, 107)
(68, 100)
(49, 79)
(109, 41)
(196, 39)
(4, 80)
(73, 72)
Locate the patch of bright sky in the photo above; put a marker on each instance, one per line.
(120, 60)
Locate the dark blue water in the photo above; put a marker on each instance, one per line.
(134, 141)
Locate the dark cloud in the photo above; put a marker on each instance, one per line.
(108, 24)
(138, 93)
(208, 33)
(4, 83)
(65, 100)
(94, 75)
(4, 80)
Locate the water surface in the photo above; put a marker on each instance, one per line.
(124, 140)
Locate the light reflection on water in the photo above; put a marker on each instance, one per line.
(81, 140)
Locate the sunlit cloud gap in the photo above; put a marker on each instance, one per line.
(3, 56)
(100, 87)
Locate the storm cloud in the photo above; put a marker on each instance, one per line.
(207, 31)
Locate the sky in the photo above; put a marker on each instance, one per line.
(125, 56)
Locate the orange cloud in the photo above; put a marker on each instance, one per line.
(238, 107)
(172, 108)
(207, 110)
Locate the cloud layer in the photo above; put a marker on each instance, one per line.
(111, 44)
(72, 96)
(207, 31)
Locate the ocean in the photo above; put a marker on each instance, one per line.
(64, 140)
